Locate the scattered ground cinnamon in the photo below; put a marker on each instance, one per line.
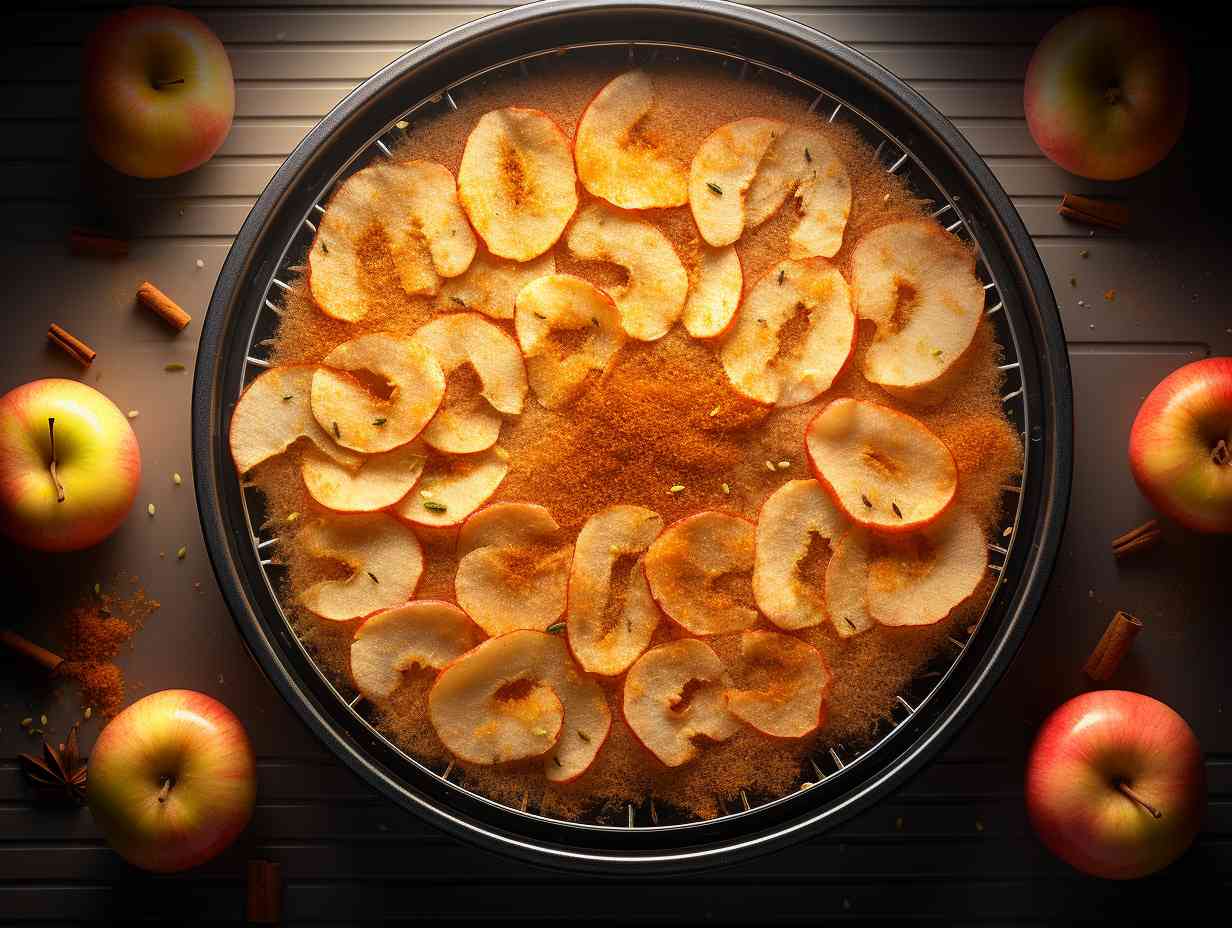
(93, 635)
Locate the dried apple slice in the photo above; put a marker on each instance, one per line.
(474, 423)
(653, 298)
(802, 164)
(673, 696)
(917, 283)
(611, 619)
(787, 682)
(722, 170)
(617, 159)
(491, 284)
(357, 417)
(379, 482)
(569, 331)
(454, 487)
(692, 567)
(487, 706)
(383, 553)
(427, 632)
(513, 571)
(885, 469)
(847, 584)
(794, 334)
(716, 291)
(796, 515)
(412, 206)
(516, 182)
(922, 578)
(274, 412)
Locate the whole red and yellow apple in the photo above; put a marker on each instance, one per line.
(1180, 447)
(1106, 93)
(69, 465)
(1115, 784)
(172, 780)
(158, 95)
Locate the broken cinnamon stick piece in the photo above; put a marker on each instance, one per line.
(264, 892)
(92, 244)
(34, 652)
(73, 346)
(1094, 212)
(1147, 535)
(1112, 647)
(158, 302)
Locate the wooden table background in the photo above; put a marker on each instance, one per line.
(954, 844)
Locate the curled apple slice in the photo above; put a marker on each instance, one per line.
(473, 423)
(654, 296)
(885, 469)
(801, 164)
(379, 482)
(788, 581)
(847, 584)
(491, 284)
(786, 684)
(721, 173)
(917, 283)
(451, 488)
(490, 705)
(383, 553)
(516, 182)
(674, 696)
(715, 295)
(513, 570)
(362, 420)
(427, 632)
(611, 616)
(617, 159)
(274, 412)
(569, 331)
(696, 570)
(793, 335)
(412, 208)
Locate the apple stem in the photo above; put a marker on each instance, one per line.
(165, 791)
(55, 478)
(1129, 791)
(1222, 454)
(159, 85)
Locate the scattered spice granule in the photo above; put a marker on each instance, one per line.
(1084, 253)
(199, 263)
(150, 510)
(1073, 281)
(173, 367)
(1110, 295)
(177, 479)
(182, 552)
(133, 414)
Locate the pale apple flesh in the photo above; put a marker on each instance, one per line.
(426, 633)
(846, 588)
(715, 292)
(378, 483)
(491, 284)
(721, 173)
(384, 556)
(785, 685)
(451, 488)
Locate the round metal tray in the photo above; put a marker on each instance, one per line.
(911, 140)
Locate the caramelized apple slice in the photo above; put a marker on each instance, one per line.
(798, 515)
(920, 579)
(485, 706)
(569, 331)
(847, 584)
(654, 296)
(427, 632)
(885, 470)
(273, 413)
(360, 419)
(610, 619)
(409, 206)
(715, 295)
(674, 696)
(693, 566)
(793, 335)
(616, 159)
(379, 482)
(722, 171)
(787, 683)
(491, 284)
(513, 570)
(516, 182)
(801, 164)
(474, 423)
(454, 487)
(917, 283)
(384, 555)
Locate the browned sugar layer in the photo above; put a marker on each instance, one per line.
(644, 428)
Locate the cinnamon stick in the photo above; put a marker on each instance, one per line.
(1094, 212)
(1145, 536)
(34, 652)
(162, 305)
(264, 892)
(1112, 647)
(92, 244)
(73, 346)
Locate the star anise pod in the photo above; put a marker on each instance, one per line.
(60, 774)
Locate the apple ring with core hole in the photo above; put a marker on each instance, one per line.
(383, 554)
(721, 173)
(427, 633)
(785, 685)
(378, 483)
(451, 488)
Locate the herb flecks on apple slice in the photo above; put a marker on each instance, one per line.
(721, 173)
(491, 284)
(452, 488)
(426, 633)
(378, 483)
(846, 584)
(383, 554)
